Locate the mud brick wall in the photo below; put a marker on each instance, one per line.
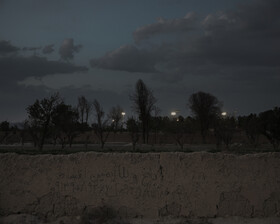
(148, 185)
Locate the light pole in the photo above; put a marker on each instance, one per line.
(123, 114)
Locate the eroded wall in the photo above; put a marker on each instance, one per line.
(149, 185)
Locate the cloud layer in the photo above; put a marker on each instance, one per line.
(165, 26)
(245, 39)
(127, 58)
(7, 48)
(18, 67)
(67, 49)
(14, 68)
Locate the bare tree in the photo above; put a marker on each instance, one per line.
(84, 109)
(133, 129)
(116, 116)
(100, 126)
(66, 123)
(40, 116)
(224, 130)
(5, 129)
(155, 122)
(251, 124)
(270, 126)
(143, 104)
(33, 128)
(177, 128)
(206, 108)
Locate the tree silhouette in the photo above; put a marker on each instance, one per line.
(65, 121)
(177, 128)
(205, 108)
(224, 129)
(116, 116)
(40, 116)
(100, 127)
(133, 129)
(270, 126)
(252, 126)
(155, 122)
(143, 104)
(84, 109)
(5, 129)
(34, 129)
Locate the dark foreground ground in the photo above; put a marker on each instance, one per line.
(29, 219)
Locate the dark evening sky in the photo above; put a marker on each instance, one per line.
(100, 48)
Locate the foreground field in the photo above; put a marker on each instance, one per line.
(121, 147)
(166, 187)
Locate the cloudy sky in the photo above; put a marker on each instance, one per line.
(100, 48)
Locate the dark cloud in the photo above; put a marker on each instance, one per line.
(245, 40)
(31, 48)
(48, 49)
(248, 36)
(163, 26)
(126, 58)
(67, 49)
(7, 48)
(17, 67)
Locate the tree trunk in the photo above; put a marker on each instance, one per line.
(144, 134)
(203, 135)
(133, 146)
(102, 144)
(44, 134)
(70, 142)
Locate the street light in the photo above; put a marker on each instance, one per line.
(173, 113)
(224, 114)
(123, 123)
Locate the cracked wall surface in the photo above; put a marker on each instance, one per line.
(151, 185)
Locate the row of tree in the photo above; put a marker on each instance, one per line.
(51, 118)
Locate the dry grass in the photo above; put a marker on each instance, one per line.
(122, 147)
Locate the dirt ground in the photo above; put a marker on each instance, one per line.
(27, 219)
